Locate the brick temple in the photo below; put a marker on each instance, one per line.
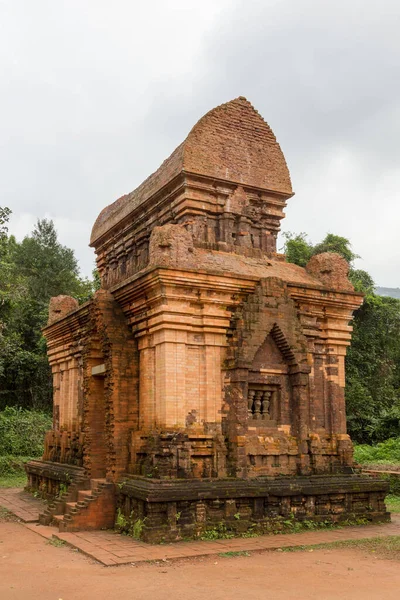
(203, 385)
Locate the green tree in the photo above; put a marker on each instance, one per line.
(39, 267)
(297, 248)
(4, 218)
(338, 244)
(362, 281)
(373, 370)
(11, 284)
(49, 267)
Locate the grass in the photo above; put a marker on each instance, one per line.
(5, 514)
(393, 503)
(218, 532)
(12, 470)
(13, 480)
(56, 542)
(384, 547)
(384, 456)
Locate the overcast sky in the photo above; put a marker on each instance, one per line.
(95, 94)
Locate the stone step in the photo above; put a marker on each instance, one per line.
(94, 509)
(45, 518)
(96, 483)
(83, 494)
(82, 509)
(57, 519)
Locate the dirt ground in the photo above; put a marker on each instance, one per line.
(33, 569)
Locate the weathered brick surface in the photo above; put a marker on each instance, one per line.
(66, 447)
(60, 306)
(95, 511)
(206, 355)
(170, 511)
(49, 478)
(227, 183)
(232, 142)
(332, 269)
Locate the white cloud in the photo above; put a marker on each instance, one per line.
(95, 95)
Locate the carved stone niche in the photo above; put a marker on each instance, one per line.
(268, 390)
(263, 403)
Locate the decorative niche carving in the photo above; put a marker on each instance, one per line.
(263, 402)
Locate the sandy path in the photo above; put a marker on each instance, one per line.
(31, 569)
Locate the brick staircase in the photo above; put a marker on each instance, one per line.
(84, 506)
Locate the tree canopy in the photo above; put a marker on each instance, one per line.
(31, 272)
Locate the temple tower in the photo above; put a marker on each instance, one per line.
(206, 377)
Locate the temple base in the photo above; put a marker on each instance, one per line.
(166, 511)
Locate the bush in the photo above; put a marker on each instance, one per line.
(13, 465)
(22, 432)
(388, 451)
(394, 484)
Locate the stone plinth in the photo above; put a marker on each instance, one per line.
(174, 510)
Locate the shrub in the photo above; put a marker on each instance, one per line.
(388, 451)
(22, 432)
(12, 465)
(394, 485)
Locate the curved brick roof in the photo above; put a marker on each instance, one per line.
(231, 142)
